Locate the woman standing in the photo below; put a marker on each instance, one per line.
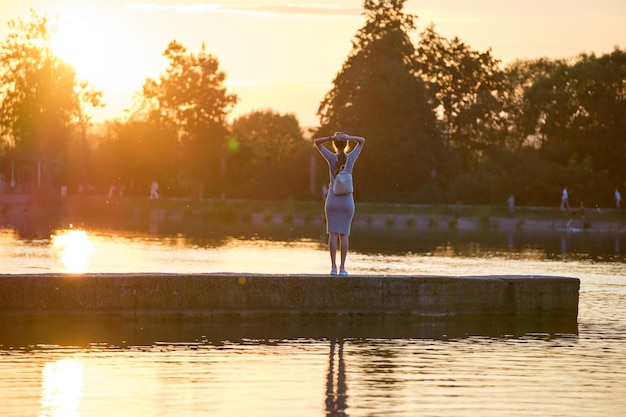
(339, 209)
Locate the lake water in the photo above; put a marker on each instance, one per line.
(192, 371)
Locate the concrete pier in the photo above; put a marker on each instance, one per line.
(139, 309)
(511, 296)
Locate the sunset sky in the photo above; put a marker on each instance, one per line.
(284, 55)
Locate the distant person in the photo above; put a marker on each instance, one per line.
(564, 199)
(116, 190)
(618, 199)
(154, 190)
(339, 209)
(511, 203)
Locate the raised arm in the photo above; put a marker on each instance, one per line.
(345, 136)
(319, 141)
(339, 136)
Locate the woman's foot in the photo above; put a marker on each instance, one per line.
(333, 271)
(343, 273)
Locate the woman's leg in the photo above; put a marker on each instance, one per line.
(332, 248)
(343, 241)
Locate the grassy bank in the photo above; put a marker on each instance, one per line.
(243, 209)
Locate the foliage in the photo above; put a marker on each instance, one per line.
(135, 153)
(376, 95)
(466, 94)
(267, 154)
(42, 102)
(443, 123)
(190, 98)
(520, 76)
(580, 108)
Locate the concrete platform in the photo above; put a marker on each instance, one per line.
(511, 296)
(141, 309)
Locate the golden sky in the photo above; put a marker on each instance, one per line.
(284, 55)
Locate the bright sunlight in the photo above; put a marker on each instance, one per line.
(75, 249)
(95, 43)
(62, 388)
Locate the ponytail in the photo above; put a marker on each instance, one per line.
(340, 147)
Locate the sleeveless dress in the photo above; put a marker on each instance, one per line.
(339, 209)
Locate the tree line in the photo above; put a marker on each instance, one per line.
(444, 123)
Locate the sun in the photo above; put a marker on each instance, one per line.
(101, 45)
(89, 40)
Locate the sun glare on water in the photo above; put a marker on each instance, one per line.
(75, 249)
(61, 388)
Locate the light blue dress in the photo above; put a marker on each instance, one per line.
(339, 209)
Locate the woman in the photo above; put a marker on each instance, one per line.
(339, 209)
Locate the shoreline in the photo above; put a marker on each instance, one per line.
(93, 209)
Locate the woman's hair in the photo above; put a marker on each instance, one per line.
(340, 147)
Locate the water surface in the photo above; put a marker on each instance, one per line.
(193, 370)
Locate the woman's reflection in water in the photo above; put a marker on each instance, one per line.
(336, 394)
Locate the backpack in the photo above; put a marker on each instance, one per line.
(343, 182)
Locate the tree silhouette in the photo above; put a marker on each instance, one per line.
(136, 153)
(190, 97)
(377, 95)
(42, 101)
(466, 87)
(267, 156)
(579, 107)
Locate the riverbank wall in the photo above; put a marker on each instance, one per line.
(21, 212)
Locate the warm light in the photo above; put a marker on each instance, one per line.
(61, 388)
(75, 249)
(97, 44)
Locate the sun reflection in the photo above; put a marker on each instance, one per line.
(75, 249)
(62, 388)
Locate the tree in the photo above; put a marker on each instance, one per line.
(135, 153)
(466, 88)
(572, 113)
(579, 108)
(519, 78)
(191, 98)
(42, 102)
(267, 154)
(376, 95)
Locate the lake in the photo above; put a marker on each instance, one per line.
(193, 369)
